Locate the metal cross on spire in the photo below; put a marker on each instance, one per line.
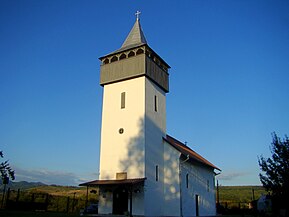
(137, 13)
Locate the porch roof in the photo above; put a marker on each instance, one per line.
(114, 182)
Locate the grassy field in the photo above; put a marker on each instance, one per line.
(60, 190)
(52, 198)
(240, 193)
(227, 193)
(233, 195)
(8, 213)
(4, 213)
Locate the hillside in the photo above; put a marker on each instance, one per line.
(67, 191)
(38, 187)
(226, 193)
(240, 193)
(23, 185)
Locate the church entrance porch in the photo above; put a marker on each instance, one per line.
(118, 197)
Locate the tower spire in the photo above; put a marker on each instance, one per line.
(136, 36)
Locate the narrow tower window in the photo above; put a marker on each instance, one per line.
(187, 180)
(157, 173)
(122, 103)
(156, 103)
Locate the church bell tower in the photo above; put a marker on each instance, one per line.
(135, 81)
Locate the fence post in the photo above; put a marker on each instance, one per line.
(18, 195)
(57, 201)
(67, 206)
(46, 201)
(73, 202)
(7, 197)
(86, 201)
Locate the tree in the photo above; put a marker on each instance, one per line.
(275, 176)
(6, 170)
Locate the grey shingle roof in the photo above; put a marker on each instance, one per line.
(134, 39)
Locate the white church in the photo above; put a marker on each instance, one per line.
(144, 171)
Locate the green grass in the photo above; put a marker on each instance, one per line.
(60, 190)
(10, 213)
(240, 193)
(227, 193)
(5, 213)
(230, 194)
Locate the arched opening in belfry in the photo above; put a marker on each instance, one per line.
(155, 59)
(113, 59)
(123, 56)
(131, 54)
(148, 53)
(139, 51)
(106, 61)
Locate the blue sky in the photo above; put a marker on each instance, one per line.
(228, 80)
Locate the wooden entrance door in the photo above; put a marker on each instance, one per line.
(120, 201)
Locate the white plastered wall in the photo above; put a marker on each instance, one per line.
(171, 181)
(123, 152)
(155, 130)
(139, 149)
(201, 181)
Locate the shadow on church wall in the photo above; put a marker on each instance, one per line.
(161, 170)
(133, 162)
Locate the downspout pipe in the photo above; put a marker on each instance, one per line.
(180, 178)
